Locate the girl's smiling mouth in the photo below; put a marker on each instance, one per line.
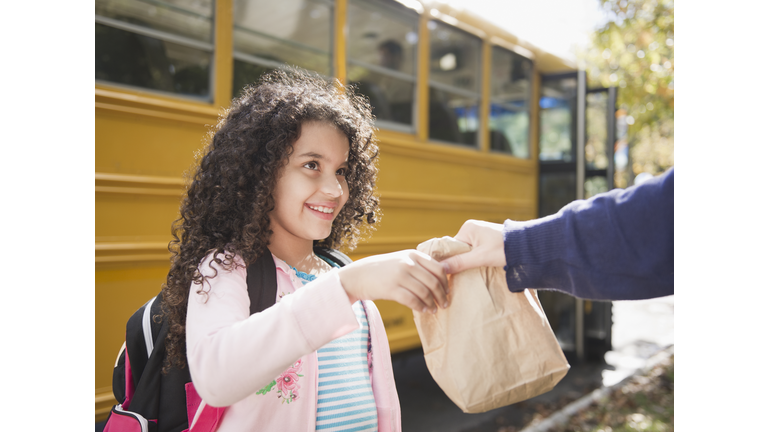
(324, 211)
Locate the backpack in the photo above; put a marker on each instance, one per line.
(151, 401)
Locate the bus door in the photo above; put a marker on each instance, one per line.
(576, 161)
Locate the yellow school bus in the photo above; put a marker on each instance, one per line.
(456, 100)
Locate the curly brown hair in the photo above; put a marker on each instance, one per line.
(227, 204)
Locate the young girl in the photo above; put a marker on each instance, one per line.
(291, 165)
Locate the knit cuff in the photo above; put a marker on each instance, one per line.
(527, 246)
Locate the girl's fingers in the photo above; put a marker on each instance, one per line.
(411, 278)
(433, 283)
(417, 287)
(407, 298)
(437, 271)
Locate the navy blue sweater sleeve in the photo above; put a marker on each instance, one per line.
(618, 245)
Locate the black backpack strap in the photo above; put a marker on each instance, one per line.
(261, 278)
(333, 255)
(156, 317)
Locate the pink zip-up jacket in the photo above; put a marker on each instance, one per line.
(233, 356)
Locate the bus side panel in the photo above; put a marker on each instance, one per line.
(153, 143)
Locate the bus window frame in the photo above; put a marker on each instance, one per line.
(263, 62)
(396, 8)
(577, 168)
(164, 36)
(447, 21)
(522, 52)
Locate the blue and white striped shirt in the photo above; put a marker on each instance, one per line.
(345, 397)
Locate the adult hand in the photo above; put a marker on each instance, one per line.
(408, 277)
(487, 241)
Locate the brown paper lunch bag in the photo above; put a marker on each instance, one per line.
(491, 347)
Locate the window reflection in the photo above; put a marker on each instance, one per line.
(557, 103)
(510, 96)
(382, 48)
(452, 118)
(245, 73)
(188, 18)
(158, 45)
(269, 34)
(454, 84)
(595, 152)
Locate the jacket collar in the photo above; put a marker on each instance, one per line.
(282, 266)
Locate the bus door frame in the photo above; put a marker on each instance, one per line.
(601, 326)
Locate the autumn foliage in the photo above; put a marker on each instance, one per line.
(634, 50)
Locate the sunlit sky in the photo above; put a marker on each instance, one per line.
(552, 25)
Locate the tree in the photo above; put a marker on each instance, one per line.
(634, 50)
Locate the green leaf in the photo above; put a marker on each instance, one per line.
(268, 388)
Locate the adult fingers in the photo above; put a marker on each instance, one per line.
(461, 262)
(467, 232)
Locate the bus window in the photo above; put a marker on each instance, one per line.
(454, 84)
(557, 108)
(269, 34)
(382, 59)
(510, 102)
(160, 45)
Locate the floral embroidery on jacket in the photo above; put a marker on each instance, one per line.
(287, 384)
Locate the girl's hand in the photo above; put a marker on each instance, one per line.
(408, 277)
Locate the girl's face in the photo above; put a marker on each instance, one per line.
(312, 187)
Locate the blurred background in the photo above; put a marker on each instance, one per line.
(485, 109)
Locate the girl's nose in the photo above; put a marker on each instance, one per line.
(331, 186)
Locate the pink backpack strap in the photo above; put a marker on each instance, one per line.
(208, 420)
(129, 389)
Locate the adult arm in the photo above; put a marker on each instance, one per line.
(618, 245)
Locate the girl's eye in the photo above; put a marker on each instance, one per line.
(342, 172)
(311, 165)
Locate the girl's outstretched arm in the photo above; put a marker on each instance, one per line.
(233, 354)
(409, 277)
